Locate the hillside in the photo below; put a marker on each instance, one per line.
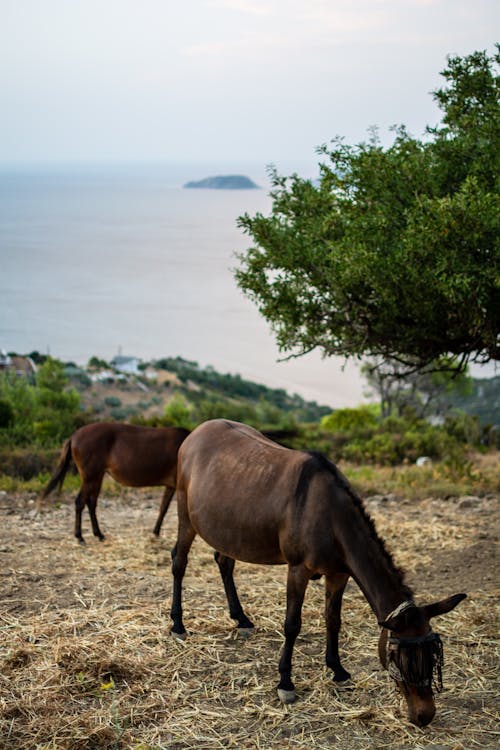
(38, 412)
(106, 393)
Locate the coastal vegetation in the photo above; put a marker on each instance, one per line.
(38, 413)
(392, 256)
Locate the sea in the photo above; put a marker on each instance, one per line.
(105, 260)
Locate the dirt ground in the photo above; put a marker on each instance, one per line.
(86, 660)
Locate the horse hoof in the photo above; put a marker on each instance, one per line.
(178, 636)
(286, 696)
(244, 632)
(344, 685)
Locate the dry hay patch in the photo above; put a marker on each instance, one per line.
(87, 662)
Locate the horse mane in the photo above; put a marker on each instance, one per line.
(317, 462)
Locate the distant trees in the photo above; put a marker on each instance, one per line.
(394, 254)
(42, 413)
(95, 363)
(424, 394)
(358, 436)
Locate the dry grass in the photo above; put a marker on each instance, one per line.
(476, 475)
(87, 662)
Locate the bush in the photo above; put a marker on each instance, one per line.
(177, 413)
(361, 437)
(239, 412)
(112, 401)
(350, 420)
(119, 414)
(380, 448)
(26, 463)
(6, 413)
(81, 379)
(43, 413)
(463, 427)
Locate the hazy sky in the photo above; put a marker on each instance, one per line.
(231, 80)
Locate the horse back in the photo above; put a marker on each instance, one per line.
(237, 488)
(133, 455)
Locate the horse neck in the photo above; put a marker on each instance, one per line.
(367, 559)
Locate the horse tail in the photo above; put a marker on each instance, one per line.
(57, 478)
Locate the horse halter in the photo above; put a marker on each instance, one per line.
(416, 662)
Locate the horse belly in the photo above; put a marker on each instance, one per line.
(135, 470)
(245, 536)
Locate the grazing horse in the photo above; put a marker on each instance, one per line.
(256, 501)
(134, 456)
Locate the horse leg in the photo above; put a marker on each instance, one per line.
(334, 589)
(185, 537)
(91, 495)
(226, 567)
(298, 578)
(165, 502)
(79, 506)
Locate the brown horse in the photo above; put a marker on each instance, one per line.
(133, 456)
(254, 500)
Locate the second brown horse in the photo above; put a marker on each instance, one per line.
(254, 500)
(134, 456)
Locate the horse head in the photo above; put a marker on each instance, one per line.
(413, 654)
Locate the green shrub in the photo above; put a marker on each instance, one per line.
(119, 414)
(112, 401)
(380, 448)
(26, 463)
(239, 412)
(349, 420)
(43, 412)
(81, 379)
(6, 413)
(177, 413)
(463, 427)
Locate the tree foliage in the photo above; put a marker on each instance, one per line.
(44, 413)
(424, 394)
(394, 252)
(363, 437)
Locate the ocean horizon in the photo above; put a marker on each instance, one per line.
(102, 259)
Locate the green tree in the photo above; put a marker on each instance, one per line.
(394, 253)
(56, 405)
(350, 420)
(95, 363)
(43, 413)
(50, 376)
(421, 393)
(177, 412)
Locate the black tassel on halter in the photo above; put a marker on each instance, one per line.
(417, 661)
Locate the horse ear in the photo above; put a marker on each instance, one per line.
(389, 624)
(444, 606)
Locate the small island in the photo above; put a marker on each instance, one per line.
(224, 182)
